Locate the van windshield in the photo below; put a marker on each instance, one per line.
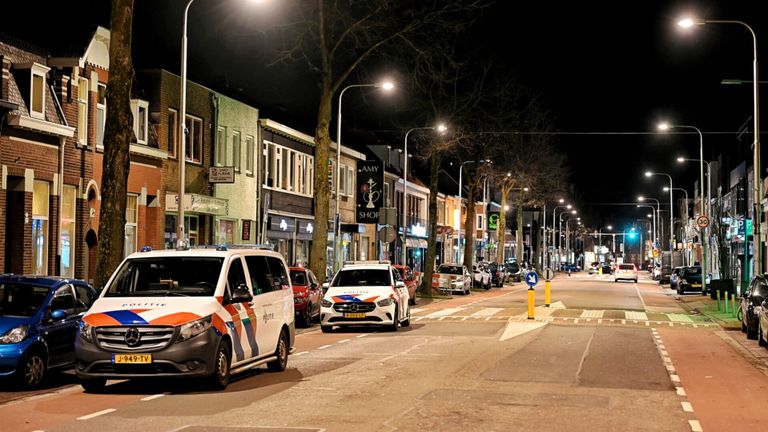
(166, 277)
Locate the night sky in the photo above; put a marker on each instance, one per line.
(607, 71)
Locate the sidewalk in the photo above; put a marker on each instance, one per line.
(706, 306)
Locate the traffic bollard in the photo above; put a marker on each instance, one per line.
(726, 302)
(733, 302)
(718, 300)
(547, 293)
(531, 303)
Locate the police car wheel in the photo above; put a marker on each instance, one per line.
(279, 364)
(395, 320)
(326, 329)
(220, 377)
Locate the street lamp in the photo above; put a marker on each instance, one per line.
(660, 230)
(337, 218)
(458, 234)
(652, 215)
(757, 192)
(671, 209)
(600, 234)
(441, 128)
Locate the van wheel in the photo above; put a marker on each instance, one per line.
(279, 364)
(221, 370)
(93, 385)
(31, 372)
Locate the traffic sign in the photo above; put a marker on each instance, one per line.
(531, 278)
(548, 273)
(387, 234)
(702, 221)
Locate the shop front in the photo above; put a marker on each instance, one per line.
(200, 214)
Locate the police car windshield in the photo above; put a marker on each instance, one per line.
(167, 276)
(362, 277)
(21, 299)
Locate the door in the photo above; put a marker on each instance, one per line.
(279, 306)
(60, 335)
(262, 284)
(244, 318)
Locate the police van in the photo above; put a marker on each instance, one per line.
(204, 312)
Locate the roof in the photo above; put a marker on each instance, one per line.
(48, 281)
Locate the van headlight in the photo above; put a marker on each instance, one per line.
(85, 331)
(16, 335)
(384, 302)
(326, 303)
(193, 328)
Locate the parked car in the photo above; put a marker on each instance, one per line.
(607, 268)
(625, 271)
(569, 267)
(38, 324)
(498, 275)
(366, 293)
(481, 276)
(197, 313)
(593, 267)
(306, 295)
(452, 278)
(406, 275)
(689, 279)
(750, 305)
(674, 276)
(514, 271)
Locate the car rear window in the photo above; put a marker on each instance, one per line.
(449, 270)
(626, 266)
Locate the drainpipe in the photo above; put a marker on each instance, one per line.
(62, 142)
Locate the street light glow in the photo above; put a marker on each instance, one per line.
(387, 85)
(442, 128)
(648, 173)
(663, 126)
(525, 189)
(573, 212)
(561, 200)
(641, 198)
(666, 189)
(681, 159)
(568, 206)
(610, 227)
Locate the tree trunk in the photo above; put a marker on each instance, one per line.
(118, 135)
(318, 258)
(429, 260)
(519, 248)
(469, 227)
(502, 227)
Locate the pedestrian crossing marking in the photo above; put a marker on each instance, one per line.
(680, 318)
(487, 312)
(444, 312)
(592, 314)
(639, 316)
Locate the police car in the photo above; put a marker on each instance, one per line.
(365, 293)
(203, 312)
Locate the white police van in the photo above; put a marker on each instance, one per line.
(201, 312)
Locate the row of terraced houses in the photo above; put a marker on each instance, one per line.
(53, 110)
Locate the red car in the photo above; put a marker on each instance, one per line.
(406, 274)
(307, 295)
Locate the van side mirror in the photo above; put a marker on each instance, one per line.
(241, 294)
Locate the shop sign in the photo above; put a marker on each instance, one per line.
(197, 203)
(221, 174)
(493, 221)
(281, 223)
(306, 227)
(246, 230)
(418, 230)
(370, 192)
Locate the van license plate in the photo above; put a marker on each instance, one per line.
(696, 285)
(131, 358)
(354, 315)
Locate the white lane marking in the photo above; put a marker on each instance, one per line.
(343, 341)
(465, 318)
(149, 398)
(647, 323)
(487, 312)
(417, 319)
(96, 414)
(670, 368)
(324, 347)
(623, 322)
(486, 318)
(363, 335)
(445, 312)
(640, 295)
(695, 426)
(575, 320)
(664, 352)
(671, 324)
(417, 310)
(680, 391)
(674, 378)
(441, 318)
(592, 314)
(687, 407)
(300, 353)
(517, 328)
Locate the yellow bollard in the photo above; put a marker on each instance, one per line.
(531, 303)
(547, 293)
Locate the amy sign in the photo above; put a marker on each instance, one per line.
(370, 191)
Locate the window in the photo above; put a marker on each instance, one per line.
(131, 224)
(190, 227)
(82, 111)
(221, 147)
(140, 120)
(194, 139)
(40, 198)
(386, 195)
(101, 114)
(84, 298)
(236, 150)
(173, 130)
(346, 181)
(480, 224)
(64, 299)
(235, 275)
(280, 278)
(249, 141)
(259, 272)
(287, 169)
(68, 233)
(37, 91)
(226, 232)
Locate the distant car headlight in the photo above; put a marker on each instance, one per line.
(326, 303)
(193, 328)
(384, 302)
(85, 331)
(15, 335)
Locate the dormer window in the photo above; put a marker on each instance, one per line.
(37, 73)
(140, 109)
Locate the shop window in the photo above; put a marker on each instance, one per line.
(68, 234)
(131, 224)
(101, 114)
(40, 200)
(190, 226)
(225, 233)
(82, 111)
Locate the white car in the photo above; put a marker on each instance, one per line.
(452, 278)
(625, 272)
(481, 276)
(365, 293)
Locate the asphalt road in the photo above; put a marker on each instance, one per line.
(604, 356)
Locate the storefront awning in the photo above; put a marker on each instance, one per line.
(409, 242)
(423, 244)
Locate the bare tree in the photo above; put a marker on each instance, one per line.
(117, 139)
(335, 38)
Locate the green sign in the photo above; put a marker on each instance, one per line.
(749, 227)
(493, 220)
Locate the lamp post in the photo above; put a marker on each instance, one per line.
(556, 243)
(600, 234)
(671, 209)
(337, 217)
(546, 253)
(440, 128)
(757, 189)
(458, 234)
(560, 232)
(653, 217)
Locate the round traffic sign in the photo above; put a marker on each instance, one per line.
(387, 234)
(531, 278)
(702, 221)
(548, 273)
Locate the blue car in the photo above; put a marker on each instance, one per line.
(38, 324)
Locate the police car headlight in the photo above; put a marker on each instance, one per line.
(384, 302)
(326, 303)
(193, 328)
(16, 335)
(84, 330)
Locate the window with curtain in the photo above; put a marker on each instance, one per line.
(68, 234)
(82, 111)
(131, 224)
(40, 206)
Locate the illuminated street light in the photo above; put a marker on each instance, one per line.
(671, 208)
